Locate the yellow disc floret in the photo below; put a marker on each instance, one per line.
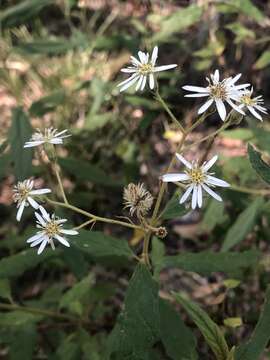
(145, 69)
(196, 175)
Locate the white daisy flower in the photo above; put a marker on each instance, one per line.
(51, 229)
(252, 104)
(142, 69)
(218, 92)
(23, 195)
(196, 178)
(50, 136)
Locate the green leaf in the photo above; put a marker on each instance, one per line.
(206, 262)
(47, 103)
(82, 170)
(254, 348)
(242, 134)
(247, 8)
(263, 61)
(53, 47)
(16, 265)
(99, 245)
(22, 12)
(213, 216)
(18, 318)
(177, 22)
(24, 341)
(210, 330)
(137, 328)
(173, 209)
(177, 338)
(5, 291)
(242, 225)
(76, 297)
(157, 255)
(258, 164)
(20, 132)
(241, 32)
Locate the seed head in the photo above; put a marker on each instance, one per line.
(137, 199)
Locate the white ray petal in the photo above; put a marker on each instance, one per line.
(62, 240)
(35, 237)
(38, 241)
(221, 109)
(194, 197)
(197, 95)
(183, 161)
(233, 80)
(154, 55)
(43, 245)
(186, 194)
(254, 112)
(130, 83)
(205, 106)
(69, 232)
(129, 70)
(199, 196)
(174, 177)
(209, 163)
(40, 191)
(44, 213)
(33, 202)
(141, 57)
(196, 89)
(40, 219)
(128, 79)
(151, 81)
(212, 180)
(135, 61)
(235, 107)
(139, 83)
(211, 192)
(143, 82)
(33, 143)
(216, 77)
(164, 67)
(20, 210)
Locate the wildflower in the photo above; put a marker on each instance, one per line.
(161, 232)
(196, 178)
(219, 92)
(24, 196)
(252, 104)
(50, 136)
(137, 199)
(51, 229)
(142, 69)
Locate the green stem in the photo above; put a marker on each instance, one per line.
(250, 191)
(94, 217)
(166, 108)
(88, 222)
(40, 312)
(60, 183)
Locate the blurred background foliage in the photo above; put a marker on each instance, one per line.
(60, 63)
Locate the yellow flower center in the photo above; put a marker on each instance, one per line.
(52, 229)
(145, 69)
(246, 99)
(196, 175)
(218, 91)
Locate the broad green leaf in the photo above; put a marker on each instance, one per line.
(24, 342)
(241, 32)
(47, 103)
(5, 161)
(213, 215)
(137, 328)
(69, 349)
(210, 330)
(20, 132)
(82, 170)
(18, 318)
(22, 12)
(157, 255)
(76, 297)
(5, 291)
(16, 265)
(258, 341)
(180, 20)
(99, 245)
(247, 8)
(53, 47)
(242, 134)
(242, 225)
(263, 61)
(206, 262)
(177, 338)
(258, 164)
(76, 261)
(173, 209)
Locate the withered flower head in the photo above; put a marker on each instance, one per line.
(161, 232)
(137, 199)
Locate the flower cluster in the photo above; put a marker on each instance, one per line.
(24, 194)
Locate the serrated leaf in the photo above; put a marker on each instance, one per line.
(254, 348)
(20, 132)
(258, 164)
(206, 262)
(99, 245)
(16, 265)
(179, 20)
(210, 330)
(137, 327)
(177, 338)
(21, 12)
(243, 225)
